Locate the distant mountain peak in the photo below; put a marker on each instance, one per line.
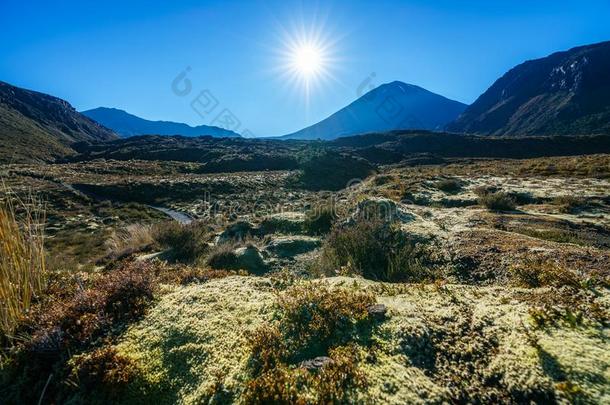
(126, 125)
(387, 107)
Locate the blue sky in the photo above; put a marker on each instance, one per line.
(126, 54)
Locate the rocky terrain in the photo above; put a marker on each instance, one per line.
(464, 281)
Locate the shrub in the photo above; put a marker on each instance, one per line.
(541, 273)
(89, 312)
(326, 170)
(569, 204)
(449, 186)
(222, 256)
(332, 384)
(498, 201)
(22, 262)
(320, 220)
(104, 372)
(376, 250)
(316, 317)
(187, 241)
(313, 320)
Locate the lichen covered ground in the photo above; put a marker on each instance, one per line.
(438, 343)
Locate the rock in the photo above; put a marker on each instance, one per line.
(236, 231)
(249, 258)
(290, 246)
(377, 312)
(316, 363)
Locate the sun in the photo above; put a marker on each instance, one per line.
(307, 60)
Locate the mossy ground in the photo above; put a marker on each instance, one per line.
(438, 343)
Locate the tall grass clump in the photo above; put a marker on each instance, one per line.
(376, 250)
(188, 242)
(22, 261)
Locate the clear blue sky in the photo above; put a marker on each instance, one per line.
(125, 54)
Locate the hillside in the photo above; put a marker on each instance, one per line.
(388, 107)
(127, 125)
(564, 93)
(37, 126)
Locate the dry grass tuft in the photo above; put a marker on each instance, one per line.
(22, 260)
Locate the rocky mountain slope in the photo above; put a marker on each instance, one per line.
(564, 93)
(126, 125)
(388, 107)
(37, 126)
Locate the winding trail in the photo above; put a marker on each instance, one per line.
(178, 216)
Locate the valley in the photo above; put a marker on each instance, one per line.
(507, 259)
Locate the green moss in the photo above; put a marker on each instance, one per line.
(478, 344)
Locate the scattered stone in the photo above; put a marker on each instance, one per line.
(249, 258)
(316, 363)
(377, 312)
(290, 246)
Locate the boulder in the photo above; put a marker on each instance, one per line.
(377, 312)
(290, 246)
(249, 258)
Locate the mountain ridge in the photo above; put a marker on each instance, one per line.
(566, 92)
(390, 106)
(127, 125)
(38, 126)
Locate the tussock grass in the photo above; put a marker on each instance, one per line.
(22, 260)
(375, 250)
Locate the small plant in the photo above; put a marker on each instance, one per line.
(498, 201)
(449, 186)
(188, 242)
(569, 204)
(543, 273)
(313, 320)
(375, 249)
(316, 317)
(22, 262)
(104, 372)
(222, 256)
(320, 220)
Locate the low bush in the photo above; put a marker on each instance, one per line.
(332, 384)
(319, 221)
(376, 250)
(536, 273)
(104, 372)
(316, 317)
(498, 201)
(222, 256)
(187, 242)
(314, 320)
(328, 170)
(449, 186)
(569, 204)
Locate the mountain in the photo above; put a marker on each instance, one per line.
(37, 126)
(566, 93)
(127, 125)
(388, 107)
